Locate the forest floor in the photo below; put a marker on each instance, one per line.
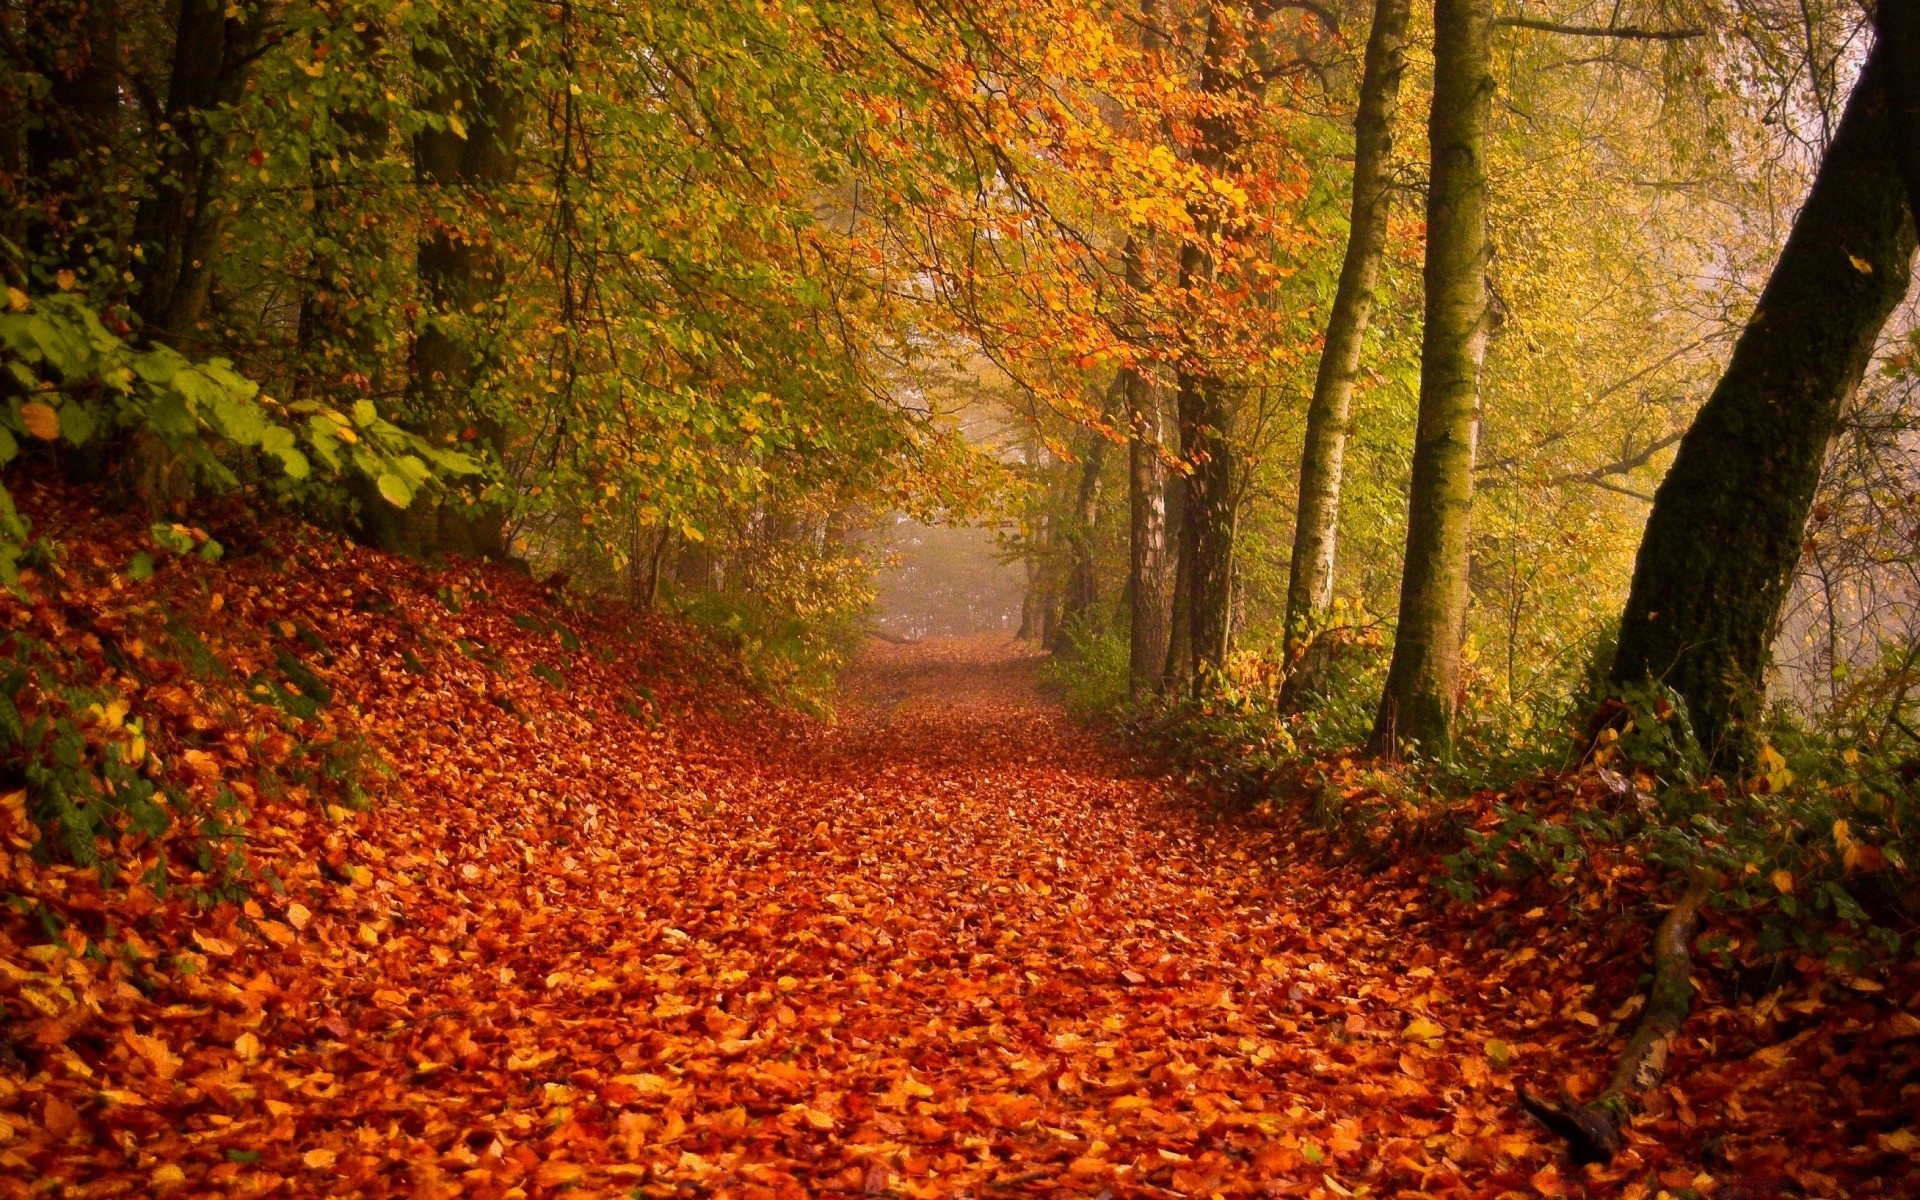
(615, 927)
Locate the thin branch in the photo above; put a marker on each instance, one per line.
(1633, 33)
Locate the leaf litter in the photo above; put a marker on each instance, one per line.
(639, 933)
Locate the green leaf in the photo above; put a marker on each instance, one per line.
(140, 567)
(397, 491)
(239, 419)
(8, 446)
(76, 423)
(364, 413)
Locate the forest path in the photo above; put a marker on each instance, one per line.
(1037, 969)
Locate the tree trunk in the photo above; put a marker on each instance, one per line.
(1725, 532)
(1203, 400)
(1149, 586)
(1418, 703)
(1899, 22)
(1082, 595)
(461, 171)
(66, 208)
(1178, 673)
(1208, 518)
(1322, 457)
(178, 223)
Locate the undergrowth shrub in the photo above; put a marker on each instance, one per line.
(1089, 672)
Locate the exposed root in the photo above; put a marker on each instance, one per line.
(1596, 1131)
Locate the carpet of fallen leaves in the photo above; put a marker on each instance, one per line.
(613, 926)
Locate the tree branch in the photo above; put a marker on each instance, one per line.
(1632, 33)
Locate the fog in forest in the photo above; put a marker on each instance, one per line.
(943, 581)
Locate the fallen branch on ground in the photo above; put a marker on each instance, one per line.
(1596, 1131)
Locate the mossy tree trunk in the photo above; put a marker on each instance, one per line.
(1149, 583)
(1725, 533)
(1323, 453)
(1419, 699)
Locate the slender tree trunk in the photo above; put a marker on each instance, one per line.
(1725, 533)
(1323, 456)
(178, 223)
(1082, 595)
(1149, 585)
(462, 169)
(1178, 673)
(1418, 703)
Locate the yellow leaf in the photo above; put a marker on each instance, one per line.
(318, 1159)
(42, 421)
(1420, 1029)
(298, 916)
(1782, 880)
(1860, 264)
(817, 1119)
(1902, 1140)
(247, 1046)
(17, 299)
(1498, 1052)
(167, 1175)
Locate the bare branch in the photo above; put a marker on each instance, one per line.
(1632, 33)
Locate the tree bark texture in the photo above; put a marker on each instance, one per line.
(178, 222)
(1149, 583)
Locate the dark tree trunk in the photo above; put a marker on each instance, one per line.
(1082, 594)
(462, 172)
(1725, 532)
(1207, 518)
(1323, 453)
(66, 204)
(1422, 681)
(1179, 669)
(1899, 22)
(1203, 401)
(178, 223)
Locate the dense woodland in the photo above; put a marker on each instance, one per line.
(1477, 437)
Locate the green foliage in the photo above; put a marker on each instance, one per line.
(80, 757)
(795, 620)
(190, 426)
(1090, 670)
